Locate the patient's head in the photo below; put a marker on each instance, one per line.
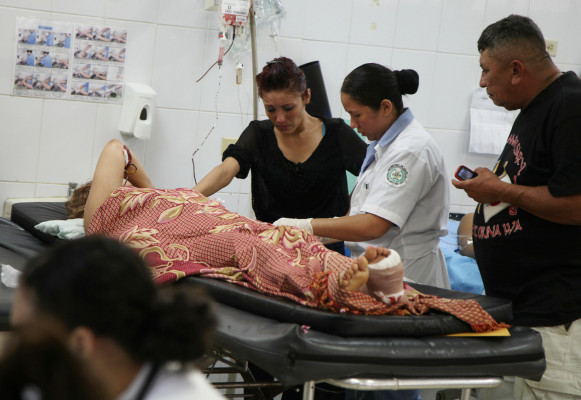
(281, 74)
(76, 204)
(99, 285)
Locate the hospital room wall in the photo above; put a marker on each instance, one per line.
(45, 143)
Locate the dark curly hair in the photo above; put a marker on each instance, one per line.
(105, 286)
(75, 205)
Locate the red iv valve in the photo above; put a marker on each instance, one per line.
(222, 37)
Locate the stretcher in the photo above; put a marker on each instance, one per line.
(302, 346)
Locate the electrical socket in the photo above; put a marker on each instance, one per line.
(551, 46)
(227, 142)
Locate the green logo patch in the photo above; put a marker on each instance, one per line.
(396, 175)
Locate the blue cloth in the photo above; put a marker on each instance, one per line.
(463, 271)
(30, 59)
(68, 42)
(395, 129)
(450, 241)
(50, 39)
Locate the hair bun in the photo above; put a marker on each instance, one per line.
(408, 80)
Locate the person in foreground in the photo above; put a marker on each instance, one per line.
(129, 334)
(527, 225)
(37, 363)
(401, 197)
(298, 161)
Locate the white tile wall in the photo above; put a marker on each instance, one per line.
(327, 20)
(173, 42)
(461, 23)
(455, 78)
(80, 7)
(20, 138)
(187, 13)
(373, 22)
(169, 151)
(418, 24)
(134, 10)
(66, 141)
(178, 62)
(498, 9)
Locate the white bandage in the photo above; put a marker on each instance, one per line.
(302, 223)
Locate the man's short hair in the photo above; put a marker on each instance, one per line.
(513, 37)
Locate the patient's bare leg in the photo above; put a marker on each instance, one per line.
(109, 175)
(385, 275)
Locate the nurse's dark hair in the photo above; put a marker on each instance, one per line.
(513, 37)
(101, 284)
(281, 74)
(369, 84)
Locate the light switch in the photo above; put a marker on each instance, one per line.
(552, 47)
(227, 142)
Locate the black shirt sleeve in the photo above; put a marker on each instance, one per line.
(243, 149)
(352, 147)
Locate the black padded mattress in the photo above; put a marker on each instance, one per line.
(295, 355)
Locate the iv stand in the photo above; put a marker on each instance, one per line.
(254, 68)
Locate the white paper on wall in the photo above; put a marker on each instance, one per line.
(63, 60)
(490, 125)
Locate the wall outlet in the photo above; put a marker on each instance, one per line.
(552, 47)
(226, 141)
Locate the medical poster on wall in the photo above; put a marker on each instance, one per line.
(69, 61)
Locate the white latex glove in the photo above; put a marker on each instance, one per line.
(302, 223)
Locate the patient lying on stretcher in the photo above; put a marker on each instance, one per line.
(180, 232)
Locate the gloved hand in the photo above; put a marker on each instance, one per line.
(302, 223)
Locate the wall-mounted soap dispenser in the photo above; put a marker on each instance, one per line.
(138, 110)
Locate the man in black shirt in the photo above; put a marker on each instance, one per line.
(527, 225)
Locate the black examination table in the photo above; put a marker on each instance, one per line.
(299, 345)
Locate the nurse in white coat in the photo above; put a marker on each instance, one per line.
(401, 198)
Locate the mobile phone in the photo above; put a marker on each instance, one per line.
(463, 173)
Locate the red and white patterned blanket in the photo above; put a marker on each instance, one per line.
(179, 232)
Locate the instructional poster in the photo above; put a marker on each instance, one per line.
(69, 61)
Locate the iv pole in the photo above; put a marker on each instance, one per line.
(254, 68)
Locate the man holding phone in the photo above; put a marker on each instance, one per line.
(527, 225)
(463, 173)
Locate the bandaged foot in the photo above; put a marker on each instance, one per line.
(385, 275)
